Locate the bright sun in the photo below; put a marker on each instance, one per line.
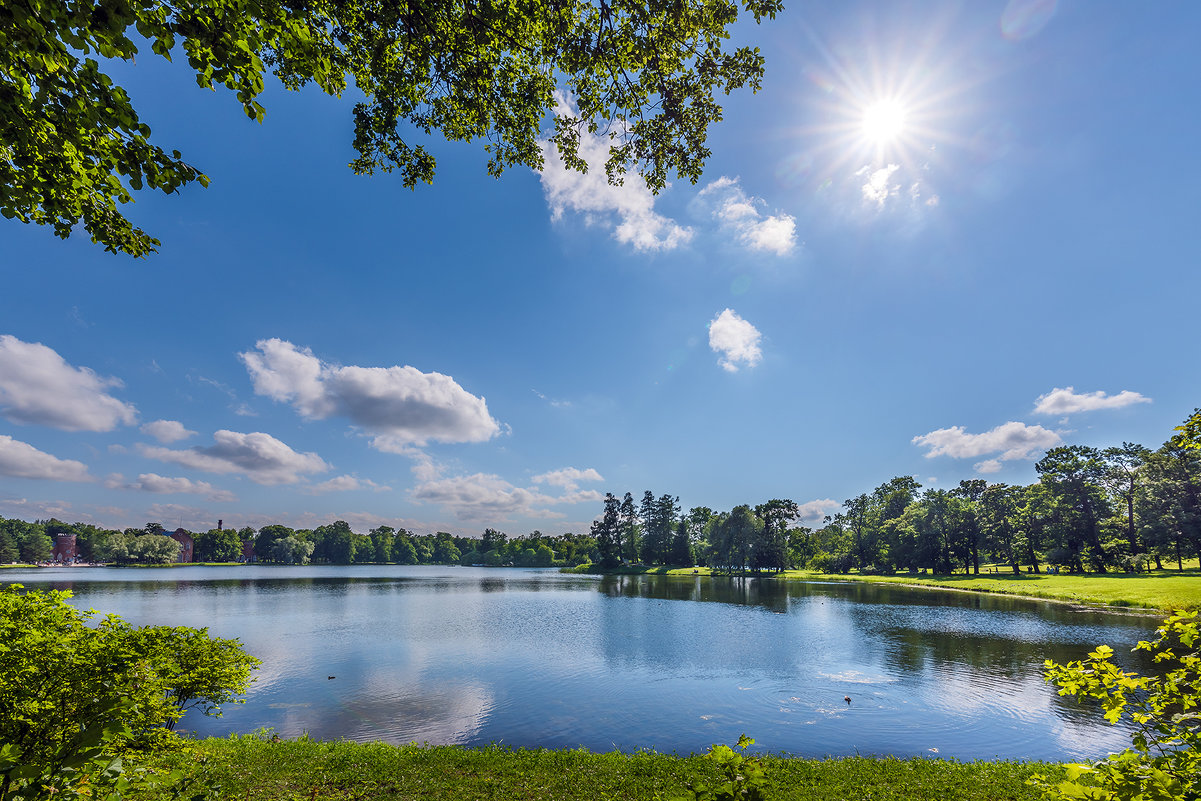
(883, 121)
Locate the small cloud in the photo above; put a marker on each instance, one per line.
(1067, 401)
(568, 478)
(259, 456)
(165, 485)
(813, 512)
(167, 431)
(879, 187)
(22, 460)
(739, 212)
(629, 208)
(401, 407)
(345, 484)
(1010, 440)
(736, 340)
(38, 386)
(988, 466)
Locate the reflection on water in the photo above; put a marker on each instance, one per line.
(537, 658)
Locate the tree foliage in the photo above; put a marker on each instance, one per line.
(1164, 760)
(66, 686)
(645, 72)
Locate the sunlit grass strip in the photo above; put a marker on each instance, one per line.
(255, 769)
(1161, 590)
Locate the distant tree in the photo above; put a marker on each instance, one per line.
(681, 546)
(381, 543)
(403, 552)
(217, 545)
(291, 551)
(1121, 474)
(776, 514)
(493, 539)
(339, 542)
(34, 544)
(445, 552)
(629, 529)
(268, 536)
(607, 532)
(1072, 474)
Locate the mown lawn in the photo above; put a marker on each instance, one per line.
(1161, 590)
(257, 769)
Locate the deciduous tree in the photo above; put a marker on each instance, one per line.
(647, 73)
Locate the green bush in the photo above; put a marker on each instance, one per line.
(72, 695)
(1164, 762)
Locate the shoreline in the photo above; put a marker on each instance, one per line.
(1186, 584)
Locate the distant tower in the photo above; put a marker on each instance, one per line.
(219, 522)
(64, 548)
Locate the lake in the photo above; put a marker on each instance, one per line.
(541, 659)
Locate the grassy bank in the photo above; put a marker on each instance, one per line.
(255, 769)
(1160, 590)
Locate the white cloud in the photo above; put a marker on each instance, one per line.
(488, 497)
(482, 497)
(879, 186)
(261, 457)
(1010, 441)
(988, 466)
(164, 485)
(736, 340)
(590, 194)
(812, 512)
(736, 210)
(38, 386)
(22, 460)
(346, 484)
(568, 478)
(1066, 401)
(401, 406)
(167, 431)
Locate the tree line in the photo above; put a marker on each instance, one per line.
(335, 543)
(1121, 508)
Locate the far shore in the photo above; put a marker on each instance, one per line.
(1155, 592)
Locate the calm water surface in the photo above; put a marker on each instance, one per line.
(538, 658)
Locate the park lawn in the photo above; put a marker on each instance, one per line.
(1161, 590)
(256, 769)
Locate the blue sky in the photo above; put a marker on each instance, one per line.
(943, 238)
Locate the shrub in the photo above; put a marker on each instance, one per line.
(71, 694)
(1164, 762)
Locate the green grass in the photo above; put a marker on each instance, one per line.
(254, 769)
(1159, 590)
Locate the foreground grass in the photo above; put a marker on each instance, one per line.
(1159, 590)
(255, 769)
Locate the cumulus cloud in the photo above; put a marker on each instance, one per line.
(879, 187)
(1067, 401)
(346, 484)
(735, 340)
(485, 496)
(629, 208)
(1009, 441)
(740, 213)
(164, 485)
(401, 407)
(812, 512)
(38, 386)
(482, 497)
(167, 431)
(260, 457)
(22, 460)
(568, 478)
